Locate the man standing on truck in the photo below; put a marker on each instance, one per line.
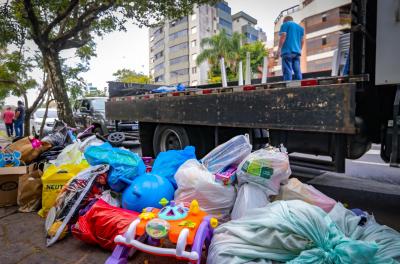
(291, 39)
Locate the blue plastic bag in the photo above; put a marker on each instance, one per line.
(167, 163)
(123, 163)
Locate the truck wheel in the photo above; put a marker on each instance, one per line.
(169, 137)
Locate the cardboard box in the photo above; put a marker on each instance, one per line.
(9, 184)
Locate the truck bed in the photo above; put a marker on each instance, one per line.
(319, 108)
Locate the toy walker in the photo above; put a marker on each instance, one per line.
(182, 225)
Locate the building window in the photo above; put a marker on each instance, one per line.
(158, 44)
(194, 30)
(159, 78)
(324, 18)
(193, 43)
(178, 34)
(194, 70)
(159, 67)
(194, 56)
(152, 59)
(324, 41)
(225, 23)
(178, 73)
(178, 21)
(178, 47)
(158, 32)
(194, 16)
(224, 7)
(178, 60)
(159, 55)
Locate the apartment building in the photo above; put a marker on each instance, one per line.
(323, 22)
(175, 45)
(246, 25)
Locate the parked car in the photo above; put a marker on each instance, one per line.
(37, 119)
(91, 111)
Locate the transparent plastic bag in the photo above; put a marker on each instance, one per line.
(249, 196)
(296, 190)
(267, 168)
(71, 154)
(195, 182)
(231, 152)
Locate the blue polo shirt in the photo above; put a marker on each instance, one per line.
(294, 35)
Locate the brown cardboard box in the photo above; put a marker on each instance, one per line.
(9, 184)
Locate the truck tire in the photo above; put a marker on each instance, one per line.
(168, 137)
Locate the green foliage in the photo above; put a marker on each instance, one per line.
(14, 78)
(230, 48)
(131, 76)
(257, 52)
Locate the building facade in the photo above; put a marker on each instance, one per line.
(324, 22)
(246, 25)
(175, 45)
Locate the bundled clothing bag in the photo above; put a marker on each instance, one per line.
(297, 232)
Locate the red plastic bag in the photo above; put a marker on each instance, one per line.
(101, 223)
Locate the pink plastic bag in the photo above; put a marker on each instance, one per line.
(296, 190)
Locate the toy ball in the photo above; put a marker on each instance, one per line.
(146, 191)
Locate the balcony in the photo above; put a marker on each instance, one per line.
(178, 66)
(178, 53)
(178, 27)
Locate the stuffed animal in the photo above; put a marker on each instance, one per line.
(10, 159)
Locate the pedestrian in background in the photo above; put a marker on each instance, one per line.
(19, 119)
(8, 118)
(291, 40)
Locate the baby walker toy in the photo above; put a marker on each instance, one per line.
(182, 225)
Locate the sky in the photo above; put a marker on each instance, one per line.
(130, 49)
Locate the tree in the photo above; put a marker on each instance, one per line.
(131, 76)
(231, 49)
(14, 69)
(257, 53)
(217, 47)
(64, 24)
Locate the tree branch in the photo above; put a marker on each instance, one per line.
(60, 17)
(84, 21)
(34, 22)
(40, 96)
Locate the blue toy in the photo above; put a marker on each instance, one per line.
(146, 190)
(10, 159)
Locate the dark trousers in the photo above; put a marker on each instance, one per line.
(10, 130)
(19, 128)
(291, 65)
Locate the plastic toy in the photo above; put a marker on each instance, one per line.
(228, 176)
(10, 158)
(146, 191)
(182, 225)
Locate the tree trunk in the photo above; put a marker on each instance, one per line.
(53, 68)
(27, 118)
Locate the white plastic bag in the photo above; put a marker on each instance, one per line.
(249, 196)
(195, 182)
(112, 198)
(296, 190)
(69, 155)
(267, 168)
(231, 152)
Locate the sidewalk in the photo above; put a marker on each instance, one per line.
(22, 240)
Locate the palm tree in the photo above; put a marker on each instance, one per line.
(221, 46)
(214, 48)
